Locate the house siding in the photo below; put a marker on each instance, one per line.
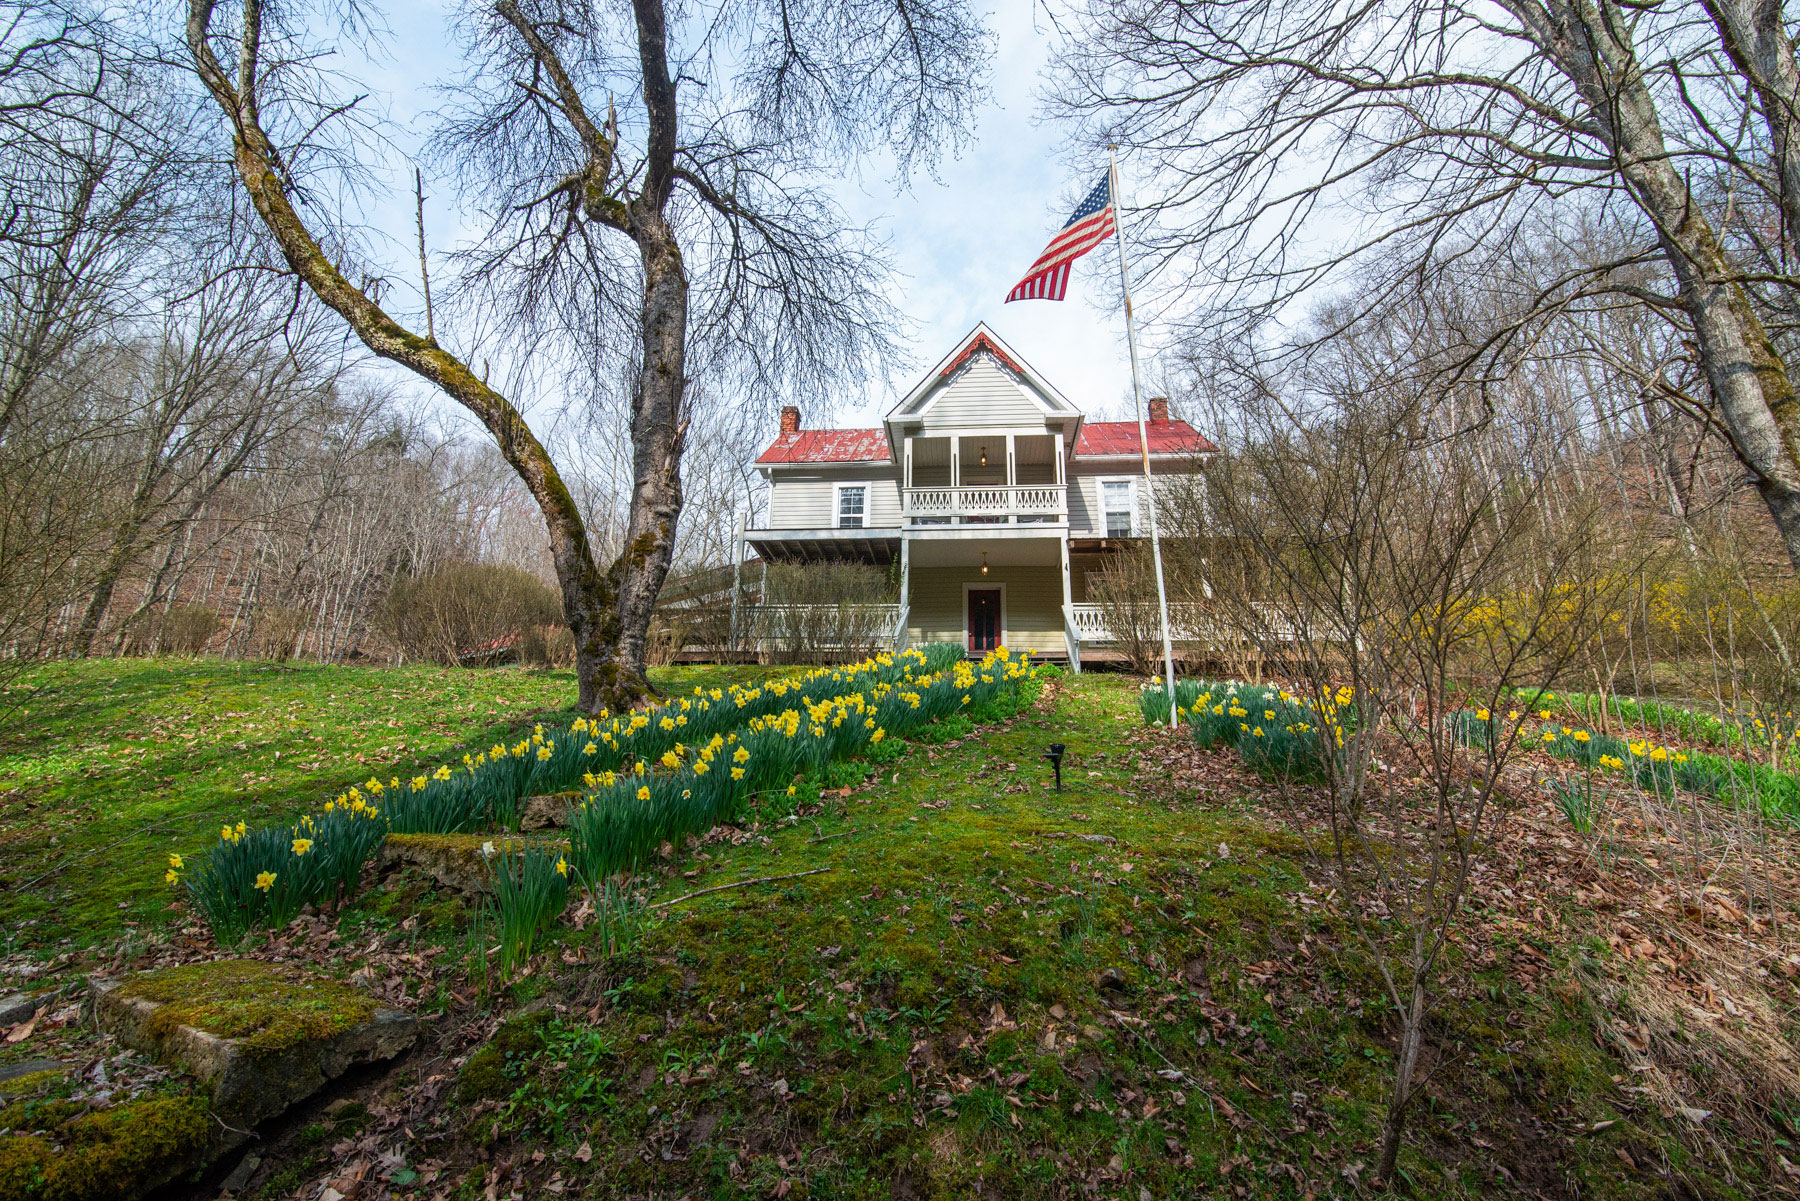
(1034, 618)
(806, 500)
(1086, 518)
(984, 395)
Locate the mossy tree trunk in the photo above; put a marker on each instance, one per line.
(589, 596)
(1758, 407)
(658, 427)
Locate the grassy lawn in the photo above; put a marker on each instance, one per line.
(965, 984)
(1000, 991)
(114, 764)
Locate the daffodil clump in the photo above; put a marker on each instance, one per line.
(266, 874)
(628, 814)
(531, 886)
(709, 738)
(1650, 765)
(1272, 729)
(1153, 699)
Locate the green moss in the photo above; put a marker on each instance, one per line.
(31, 1082)
(105, 1154)
(485, 1076)
(268, 1009)
(22, 1160)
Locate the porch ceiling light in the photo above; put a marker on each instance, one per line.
(984, 456)
(983, 562)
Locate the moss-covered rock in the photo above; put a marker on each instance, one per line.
(459, 861)
(258, 1036)
(263, 1007)
(65, 1152)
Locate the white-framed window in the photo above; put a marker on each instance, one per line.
(852, 506)
(1118, 507)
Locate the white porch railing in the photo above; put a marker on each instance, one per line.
(1017, 500)
(1187, 623)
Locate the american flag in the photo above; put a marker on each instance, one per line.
(1090, 225)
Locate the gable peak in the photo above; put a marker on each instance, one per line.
(980, 342)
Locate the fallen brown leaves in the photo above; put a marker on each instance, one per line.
(1697, 902)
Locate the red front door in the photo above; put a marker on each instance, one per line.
(984, 619)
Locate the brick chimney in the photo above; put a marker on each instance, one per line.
(1159, 410)
(790, 419)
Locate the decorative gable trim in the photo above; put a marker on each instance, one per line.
(1035, 387)
(981, 342)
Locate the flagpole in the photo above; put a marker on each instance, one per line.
(1137, 396)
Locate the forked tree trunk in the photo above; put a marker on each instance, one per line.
(588, 593)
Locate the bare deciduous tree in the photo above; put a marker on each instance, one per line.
(600, 223)
(1406, 571)
(1280, 148)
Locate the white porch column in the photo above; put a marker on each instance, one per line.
(1012, 478)
(900, 635)
(906, 482)
(1070, 635)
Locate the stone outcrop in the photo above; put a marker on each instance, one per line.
(257, 1038)
(460, 861)
(552, 809)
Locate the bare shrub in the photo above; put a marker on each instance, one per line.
(824, 612)
(277, 632)
(186, 629)
(1125, 590)
(1411, 575)
(462, 611)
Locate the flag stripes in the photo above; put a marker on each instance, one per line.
(1091, 224)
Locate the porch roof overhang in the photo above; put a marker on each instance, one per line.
(1029, 545)
(831, 545)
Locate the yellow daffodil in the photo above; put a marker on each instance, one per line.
(302, 845)
(644, 793)
(265, 881)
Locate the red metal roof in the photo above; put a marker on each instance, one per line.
(1121, 438)
(828, 446)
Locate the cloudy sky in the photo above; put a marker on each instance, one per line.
(960, 240)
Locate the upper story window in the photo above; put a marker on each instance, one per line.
(852, 505)
(1115, 504)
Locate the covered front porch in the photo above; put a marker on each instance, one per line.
(982, 588)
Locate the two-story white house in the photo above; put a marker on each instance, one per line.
(992, 491)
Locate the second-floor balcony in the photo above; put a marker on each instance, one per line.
(1002, 478)
(985, 504)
